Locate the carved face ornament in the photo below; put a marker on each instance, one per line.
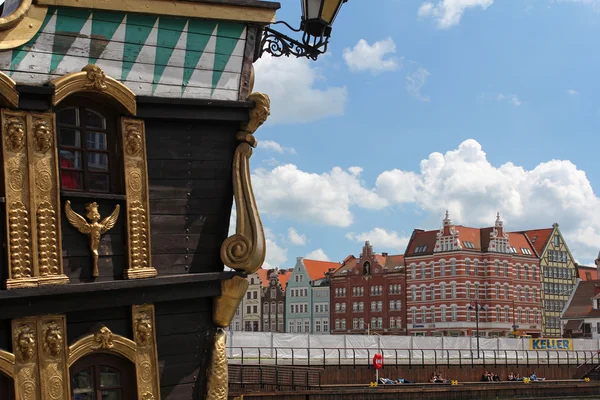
(92, 212)
(144, 328)
(53, 340)
(134, 140)
(25, 343)
(15, 134)
(43, 136)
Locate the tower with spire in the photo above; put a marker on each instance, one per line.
(447, 238)
(498, 238)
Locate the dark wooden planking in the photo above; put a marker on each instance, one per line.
(184, 323)
(172, 264)
(192, 110)
(188, 207)
(193, 224)
(205, 189)
(185, 151)
(79, 269)
(177, 392)
(180, 345)
(185, 243)
(252, 40)
(82, 323)
(5, 335)
(191, 169)
(100, 295)
(36, 98)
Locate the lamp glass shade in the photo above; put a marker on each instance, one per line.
(318, 15)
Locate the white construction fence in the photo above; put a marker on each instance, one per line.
(278, 347)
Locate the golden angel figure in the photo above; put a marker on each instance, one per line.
(94, 229)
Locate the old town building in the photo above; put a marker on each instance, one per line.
(273, 300)
(586, 272)
(456, 273)
(368, 296)
(307, 297)
(581, 314)
(558, 275)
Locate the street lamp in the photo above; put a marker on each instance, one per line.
(317, 18)
(477, 308)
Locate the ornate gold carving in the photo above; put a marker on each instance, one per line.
(48, 258)
(94, 229)
(15, 134)
(146, 354)
(96, 77)
(18, 232)
(44, 189)
(136, 184)
(92, 79)
(13, 18)
(245, 251)
(102, 340)
(42, 135)
(225, 306)
(21, 33)
(24, 333)
(53, 358)
(218, 375)
(16, 188)
(7, 363)
(133, 140)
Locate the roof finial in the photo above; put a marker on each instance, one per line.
(447, 215)
(498, 220)
(447, 220)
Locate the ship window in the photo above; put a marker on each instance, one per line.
(88, 139)
(103, 376)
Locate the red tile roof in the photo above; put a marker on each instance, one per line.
(263, 274)
(584, 270)
(394, 261)
(539, 238)
(581, 303)
(284, 277)
(316, 269)
(480, 237)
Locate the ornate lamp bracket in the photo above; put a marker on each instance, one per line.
(277, 44)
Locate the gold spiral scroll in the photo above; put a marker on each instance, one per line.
(245, 251)
(138, 203)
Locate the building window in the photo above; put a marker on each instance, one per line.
(413, 315)
(423, 273)
(476, 290)
(306, 326)
(380, 323)
(443, 314)
(423, 293)
(505, 267)
(442, 267)
(497, 287)
(265, 308)
(556, 240)
(280, 307)
(497, 314)
(337, 324)
(255, 295)
(398, 305)
(442, 290)
(453, 290)
(506, 291)
(344, 323)
(414, 293)
(468, 290)
(379, 306)
(355, 323)
(468, 267)
(452, 267)
(506, 314)
(361, 323)
(273, 293)
(103, 376)
(392, 323)
(325, 325)
(454, 313)
(413, 273)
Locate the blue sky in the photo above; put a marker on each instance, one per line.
(499, 97)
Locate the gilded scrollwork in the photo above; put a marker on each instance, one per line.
(15, 134)
(18, 232)
(95, 76)
(24, 340)
(225, 306)
(245, 251)
(136, 184)
(43, 135)
(48, 258)
(53, 357)
(146, 354)
(218, 375)
(103, 339)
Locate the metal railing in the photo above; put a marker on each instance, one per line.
(271, 377)
(321, 357)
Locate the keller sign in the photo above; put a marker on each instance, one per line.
(550, 344)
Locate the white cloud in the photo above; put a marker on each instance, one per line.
(271, 145)
(473, 190)
(276, 255)
(510, 98)
(291, 83)
(572, 92)
(593, 4)
(416, 81)
(296, 238)
(318, 254)
(319, 198)
(448, 13)
(382, 239)
(365, 57)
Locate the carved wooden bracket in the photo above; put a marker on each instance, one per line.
(245, 251)
(225, 306)
(218, 375)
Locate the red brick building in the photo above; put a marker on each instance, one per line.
(449, 271)
(367, 295)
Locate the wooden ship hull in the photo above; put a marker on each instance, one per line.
(127, 130)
